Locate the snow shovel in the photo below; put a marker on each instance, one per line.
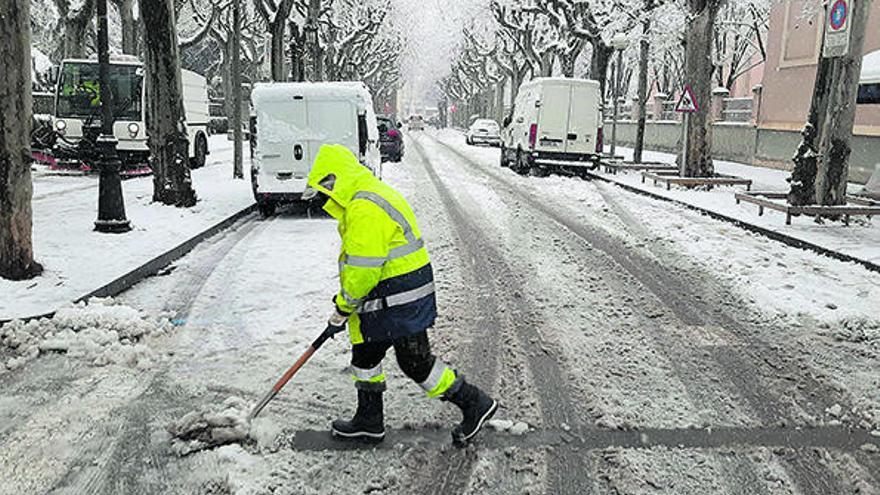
(329, 332)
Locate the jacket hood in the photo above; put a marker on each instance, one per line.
(337, 173)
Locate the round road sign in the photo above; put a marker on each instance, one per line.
(838, 13)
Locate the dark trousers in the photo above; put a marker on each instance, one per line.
(413, 355)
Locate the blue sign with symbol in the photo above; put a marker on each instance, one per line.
(838, 14)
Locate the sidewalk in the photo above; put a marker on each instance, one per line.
(860, 240)
(77, 260)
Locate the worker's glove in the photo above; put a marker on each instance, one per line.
(336, 322)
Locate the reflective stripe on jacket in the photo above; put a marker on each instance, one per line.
(384, 271)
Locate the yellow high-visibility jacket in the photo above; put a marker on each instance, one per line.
(385, 276)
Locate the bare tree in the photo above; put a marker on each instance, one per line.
(74, 21)
(166, 120)
(16, 249)
(836, 132)
(275, 15)
(129, 26)
(699, 69)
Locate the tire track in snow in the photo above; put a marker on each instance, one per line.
(778, 406)
(565, 473)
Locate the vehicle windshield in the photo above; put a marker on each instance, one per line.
(79, 94)
(489, 124)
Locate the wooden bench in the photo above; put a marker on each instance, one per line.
(614, 167)
(779, 201)
(672, 177)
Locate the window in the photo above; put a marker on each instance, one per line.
(869, 94)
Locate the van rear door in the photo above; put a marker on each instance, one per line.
(583, 119)
(553, 117)
(281, 148)
(331, 122)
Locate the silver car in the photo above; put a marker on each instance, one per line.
(484, 131)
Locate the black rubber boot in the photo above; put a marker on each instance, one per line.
(368, 423)
(476, 408)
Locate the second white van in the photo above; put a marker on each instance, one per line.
(555, 124)
(290, 123)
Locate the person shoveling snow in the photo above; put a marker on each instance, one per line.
(386, 297)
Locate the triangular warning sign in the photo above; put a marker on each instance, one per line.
(687, 103)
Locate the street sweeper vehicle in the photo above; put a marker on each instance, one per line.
(293, 120)
(78, 113)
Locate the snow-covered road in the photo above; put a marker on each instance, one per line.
(649, 349)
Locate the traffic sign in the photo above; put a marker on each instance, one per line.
(687, 103)
(837, 29)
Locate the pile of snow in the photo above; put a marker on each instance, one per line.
(100, 332)
(211, 427)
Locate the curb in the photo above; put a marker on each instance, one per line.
(151, 267)
(772, 234)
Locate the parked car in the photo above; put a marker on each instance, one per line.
(555, 125)
(416, 123)
(484, 131)
(292, 120)
(390, 138)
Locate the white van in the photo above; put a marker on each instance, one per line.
(77, 99)
(555, 124)
(293, 120)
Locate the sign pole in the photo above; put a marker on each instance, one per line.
(684, 144)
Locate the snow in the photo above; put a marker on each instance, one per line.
(786, 281)
(77, 260)
(210, 427)
(41, 63)
(249, 300)
(871, 67)
(100, 333)
(861, 240)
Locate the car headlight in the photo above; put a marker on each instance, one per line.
(60, 126)
(133, 129)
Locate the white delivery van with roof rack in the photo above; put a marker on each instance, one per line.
(290, 123)
(555, 124)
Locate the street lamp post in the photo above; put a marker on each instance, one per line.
(618, 43)
(111, 203)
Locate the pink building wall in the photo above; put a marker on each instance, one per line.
(793, 49)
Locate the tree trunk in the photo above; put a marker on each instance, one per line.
(166, 120)
(76, 26)
(803, 176)
(16, 248)
(698, 71)
(237, 172)
(599, 64)
(837, 129)
(297, 52)
(644, 49)
(276, 55)
(129, 27)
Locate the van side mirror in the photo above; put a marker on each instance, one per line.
(506, 121)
